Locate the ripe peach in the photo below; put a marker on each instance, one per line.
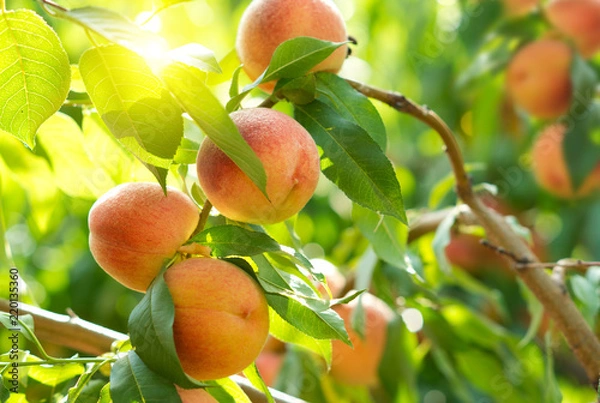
(134, 228)
(518, 8)
(550, 168)
(359, 365)
(335, 279)
(579, 20)
(217, 332)
(289, 156)
(195, 396)
(538, 78)
(265, 24)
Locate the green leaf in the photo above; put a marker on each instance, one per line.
(581, 144)
(301, 90)
(387, 235)
(251, 372)
(34, 73)
(352, 160)
(151, 331)
(105, 394)
(187, 152)
(187, 85)
(352, 105)
(75, 173)
(317, 323)
(536, 313)
(56, 374)
(295, 57)
(231, 240)
(587, 294)
(287, 333)
(113, 27)
(227, 391)
(195, 55)
(132, 381)
(135, 106)
(442, 239)
(84, 386)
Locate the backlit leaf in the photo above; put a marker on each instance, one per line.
(187, 85)
(134, 105)
(34, 74)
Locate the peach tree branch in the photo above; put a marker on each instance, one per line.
(567, 317)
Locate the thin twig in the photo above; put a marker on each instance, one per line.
(203, 216)
(53, 4)
(518, 262)
(567, 263)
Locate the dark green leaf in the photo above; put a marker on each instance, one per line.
(320, 324)
(295, 57)
(151, 330)
(352, 160)
(352, 105)
(581, 143)
(132, 381)
(199, 102)
(133, 103)
(34, 74)
(231, 240)
(300, 91)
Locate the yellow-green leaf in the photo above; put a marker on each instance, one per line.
(34, 74)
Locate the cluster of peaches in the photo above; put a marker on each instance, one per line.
(221, 314)
(539, 81)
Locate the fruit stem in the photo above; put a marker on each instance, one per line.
(203, 217)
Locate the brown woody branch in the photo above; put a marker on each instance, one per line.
(72, 332)
(567, 317)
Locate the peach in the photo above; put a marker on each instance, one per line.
(539, 78)
(195, 396)
(265, 24)
(578, 20)
(135, 227)
(221, 317)
(518, 8)
(289, 156)
(358, 365)
(550, 168)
